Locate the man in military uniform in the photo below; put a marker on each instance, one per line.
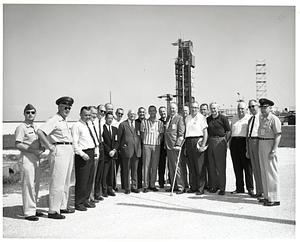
(269, 135)
(29, 145)
(56, 135)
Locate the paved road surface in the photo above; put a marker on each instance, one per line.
(161, 216)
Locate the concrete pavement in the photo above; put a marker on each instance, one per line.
(157, 215)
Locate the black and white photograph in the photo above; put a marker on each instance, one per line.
(149, 119)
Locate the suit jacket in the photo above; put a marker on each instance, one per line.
(129, 141)
(174, 131)
(110, 142)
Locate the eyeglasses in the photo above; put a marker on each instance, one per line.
(67, 108)
(102, 111)
(252, 106)
(121, 114)
(30, 112)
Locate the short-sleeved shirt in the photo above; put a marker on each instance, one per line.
(269, 126)
(152, 131)
(57, 130)
(195, 125)
(239, 126)
(218, 126)
(26, 133)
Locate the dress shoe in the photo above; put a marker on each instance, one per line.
(257, 195)
(154, 189)
(94, 201)
(104, 195)
(145, 190)
(135, 190)
(127, 192)
(251, 193)
(269, 204)
(111, 193)
(99, 198)
(237, 191)
(39, 214)
(67, 210)
(116, 189)
(191, 191)
(262, 200)
(221, 193)
(213, 190)
(89, 205)
(56, 216)
(199, 193)
(81, 208)
(180, 191)
(32, 218)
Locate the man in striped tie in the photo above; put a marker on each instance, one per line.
(152, 130)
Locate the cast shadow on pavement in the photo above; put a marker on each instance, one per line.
(228, 198)
(15, 212)
(201, 211)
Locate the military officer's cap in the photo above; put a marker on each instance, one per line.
(65, 100)
(29, 107)
(264, 102)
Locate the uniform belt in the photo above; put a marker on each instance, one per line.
(63, 143)
(239, 137)
(265, 138)
(252, 137)
(194, 137)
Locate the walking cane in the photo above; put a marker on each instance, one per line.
(178, 160)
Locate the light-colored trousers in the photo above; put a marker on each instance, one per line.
(253, 152)
(30, 182)
(150, 164)
(61, 165)
(269, 171)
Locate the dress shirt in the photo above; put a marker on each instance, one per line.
(239, 126)
(255, 126)
(269, 126)
(195, 125)
(82, 138)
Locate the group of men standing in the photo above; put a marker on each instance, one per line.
(100, 143)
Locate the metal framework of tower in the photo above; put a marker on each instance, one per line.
(184, 64)
(261, 81)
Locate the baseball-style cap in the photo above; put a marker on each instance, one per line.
(65, 100)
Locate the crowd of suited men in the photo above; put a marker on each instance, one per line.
(187, 151)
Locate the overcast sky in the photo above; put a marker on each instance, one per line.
(88, 51)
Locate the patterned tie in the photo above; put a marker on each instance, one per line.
(91, 133)
(95, 131)
(253, 120)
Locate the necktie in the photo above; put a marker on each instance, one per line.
(91, 134)
(131, 126)
(100, 133)
(95, 131)
(170, 121)
(110, 131)
(253, 120)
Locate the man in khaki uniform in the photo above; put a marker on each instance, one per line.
(56, 135)
(269, 135)
(29, 145)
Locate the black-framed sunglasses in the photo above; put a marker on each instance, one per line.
(121, 114)
(252, 106)
(30, 112)
(102, 111)
(67, 108)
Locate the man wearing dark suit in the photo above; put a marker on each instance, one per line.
(174, 134)
(163, 153)
(111, 145)
(141, 116)
(130, 145)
